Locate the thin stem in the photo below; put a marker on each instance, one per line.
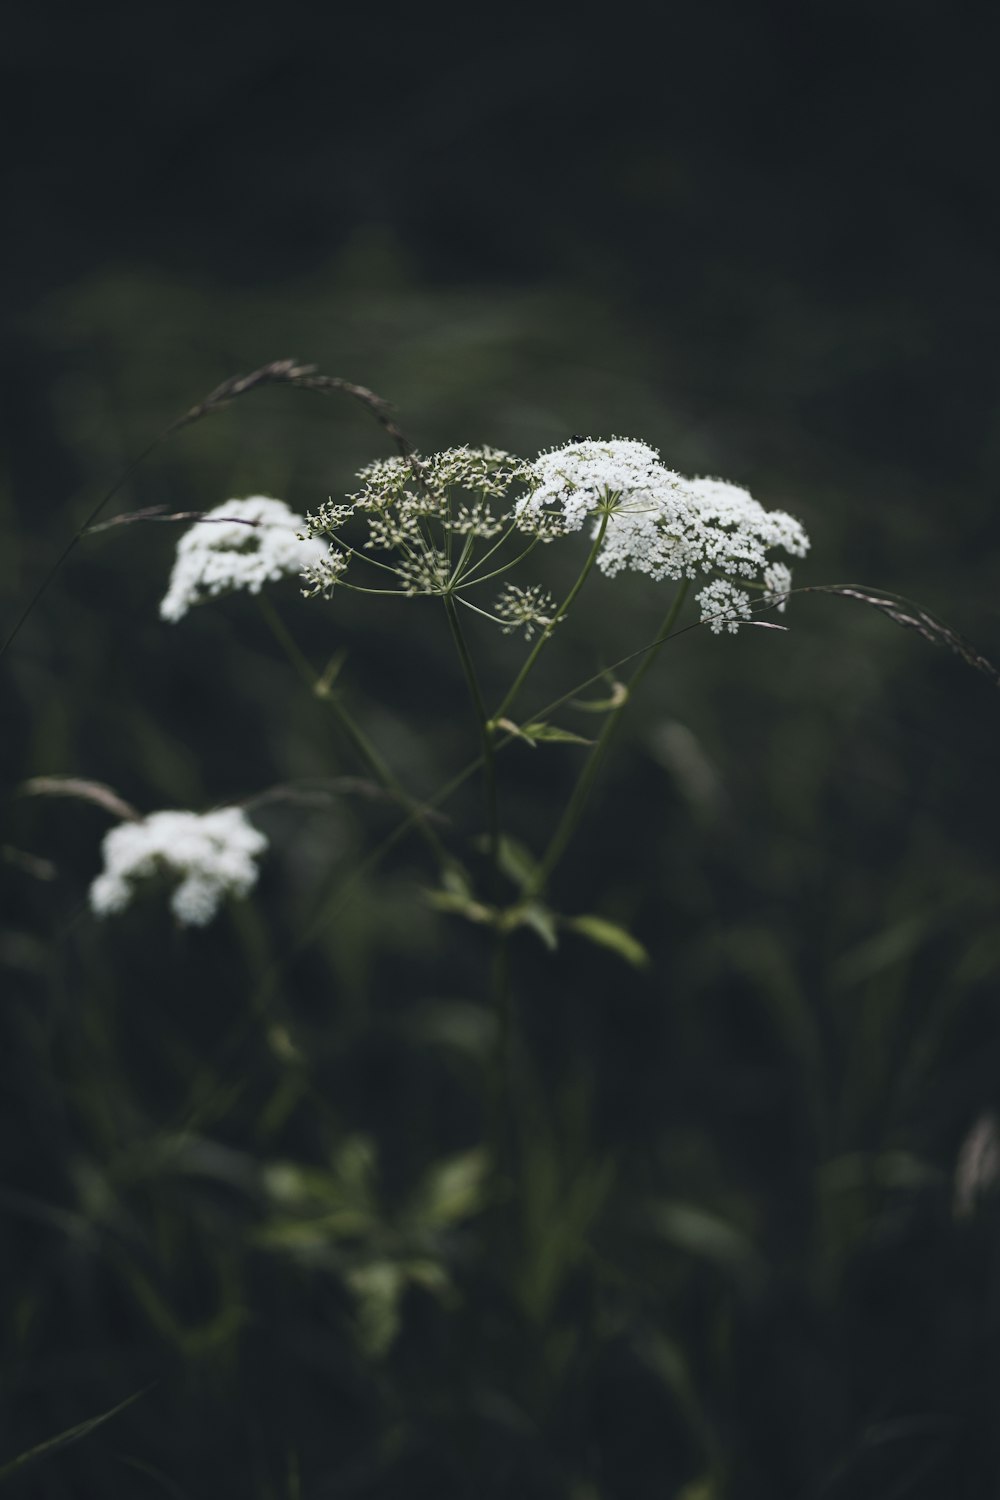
(500, 1079)
(578, 799)
(338, 897)
(543, 639)
(467, 604)
(472, 573)
(474, 576)
(486, 738)
(352, 730)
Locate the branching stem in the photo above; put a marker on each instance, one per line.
(543, 639)
(352, 730)
(486, 738)
(573, 810)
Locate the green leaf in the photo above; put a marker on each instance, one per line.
(619, 695)
(509, 727)
(450, 1191)
(553, 733)
(703, 1234)
(64, 1439)
(459, 905)
(378, 1288)
(609, 935)
(536, 916)
(668, 1361)
(463, 1026)
(455, 880)
(516, 862)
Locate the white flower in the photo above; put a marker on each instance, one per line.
(572, 483)
(242, 544)
(212, 855)
(657, 522)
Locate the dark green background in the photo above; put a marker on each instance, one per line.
(764, 238)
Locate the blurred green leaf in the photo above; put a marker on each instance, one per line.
(313, 1206)
(193, 1339)
(463, 1025)
(561, 1203)
(378, 1289)
(450, 1191)
(608, 934)
(516, 862)
(536, 916)
(149, 1471)
(618, 696)
(460, 906)
(64, 1439)
(670, 1363)
(700, 1233)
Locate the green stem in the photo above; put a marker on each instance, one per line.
(578, 799)
(485, 736)
(337, 898)
(370, 756)
(500, 1077)
(563, 609)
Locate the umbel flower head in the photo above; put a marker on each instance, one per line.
(420, 522)
(440, 525)
(658, 522)
(211, 855)
(242, 544)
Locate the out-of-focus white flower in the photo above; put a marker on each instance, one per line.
(659, 523)
(211, 854)
(242, 544)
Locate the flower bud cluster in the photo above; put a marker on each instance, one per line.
(527, 609)
(419, 520)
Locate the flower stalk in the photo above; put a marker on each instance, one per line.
(574, 809)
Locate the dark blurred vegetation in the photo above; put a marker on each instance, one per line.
(748, 1254)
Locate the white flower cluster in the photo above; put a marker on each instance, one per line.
(242, 544)
(572, 483)
(664, 525)
(212, 854)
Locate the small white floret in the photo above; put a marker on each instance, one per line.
(723, 606)
(777, 583)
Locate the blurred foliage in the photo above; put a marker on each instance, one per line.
(750, 1243)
